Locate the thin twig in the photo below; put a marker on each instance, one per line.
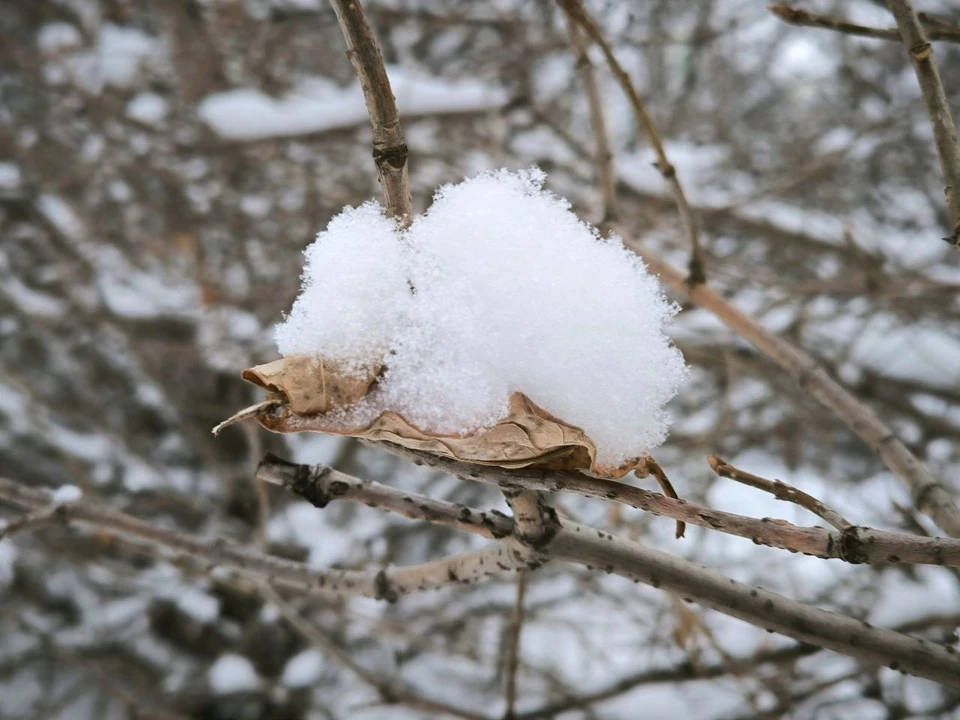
(31, 521)
(805, 18)
(941, 119)
(577, 13)
(389, 145)
(603, 159)
(779, 490)
(388, 692)
(652, 467)
(513, 647)
(683, 672)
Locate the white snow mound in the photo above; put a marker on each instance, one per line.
(498, 288)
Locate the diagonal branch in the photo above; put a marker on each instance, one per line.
(805, 18)
(603, 158)
(934, 97)
(842, 634)
(929, 496)
(32, 521)
(578, 14)
(389, 692)
(779, 490)
(389, 145)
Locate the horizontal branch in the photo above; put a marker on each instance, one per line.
(853, 545)
(385, 584)
(594, 548)
(805, 18)
(321, 484)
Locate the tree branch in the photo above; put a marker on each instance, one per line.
(389, 692)
(321, 484)
(929, 496)
(389, 145)
(944, 130)
(513, 647)
(854, 638)
(854, 545)
(578, 14)
(386, 584)
(805, 18)
(779, 490)
(603, 159)
(31, 521)
(588, 546)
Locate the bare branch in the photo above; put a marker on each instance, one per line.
(595, 548)
(31, 521)
(321, 484)
(854, 638)
(389, 692)
(685, 671)
(944, 129)
(513, 647)
(805, 18)
(389, 145)
(578, 14)
(779, 490)
(854, 545)
(386, 584)
(603, 158)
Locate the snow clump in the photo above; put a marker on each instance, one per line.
(498, 288)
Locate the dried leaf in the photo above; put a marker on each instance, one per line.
(311, 385)
(528, 437)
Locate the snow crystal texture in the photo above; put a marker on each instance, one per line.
(498, 288)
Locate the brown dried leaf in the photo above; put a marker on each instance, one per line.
(311, 385)
(528, 437)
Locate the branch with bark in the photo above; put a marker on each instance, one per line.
(854, 544)
(805, 18)
(596, 548)
(383, 584)
(929, 495)
(389, 145)
(941, 119)
(577, 14)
